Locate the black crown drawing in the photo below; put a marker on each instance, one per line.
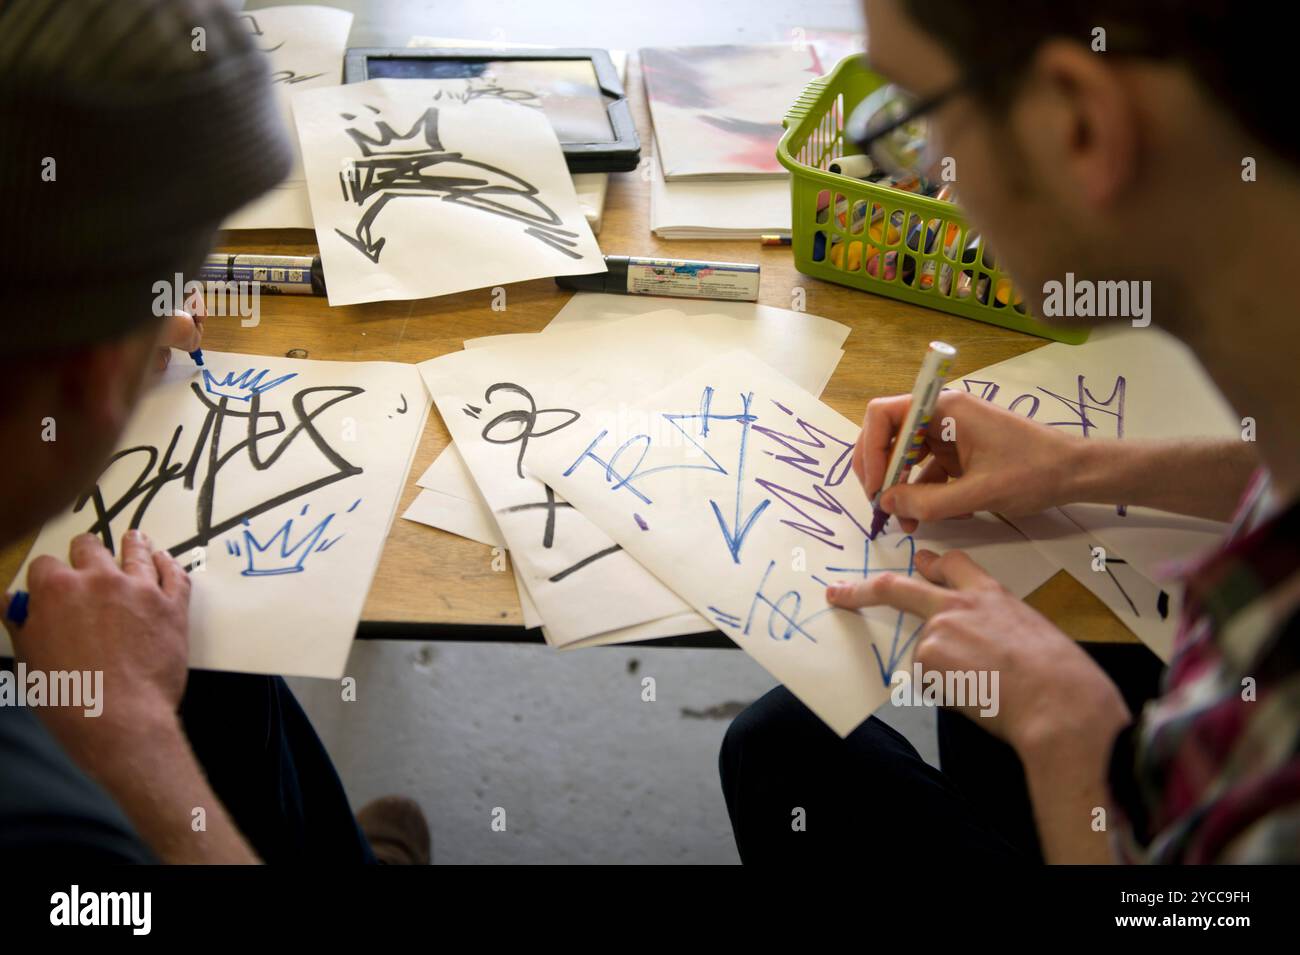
(415, 165)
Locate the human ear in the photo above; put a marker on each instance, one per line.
(1085, 121)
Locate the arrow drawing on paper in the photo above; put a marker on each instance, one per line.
(739, 529)
(898, 647)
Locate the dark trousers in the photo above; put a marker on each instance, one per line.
(270, 770)
(871, 795)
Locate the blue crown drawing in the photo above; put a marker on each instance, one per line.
(265, 559)
(243, 387)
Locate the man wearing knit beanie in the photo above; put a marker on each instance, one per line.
(108, 189)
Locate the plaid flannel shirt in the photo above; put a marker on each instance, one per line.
(1210, 771)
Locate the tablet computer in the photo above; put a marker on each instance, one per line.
(578, 89)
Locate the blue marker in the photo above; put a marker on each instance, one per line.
(198, 357)
(17, 611)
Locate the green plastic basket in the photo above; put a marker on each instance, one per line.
(875, 238)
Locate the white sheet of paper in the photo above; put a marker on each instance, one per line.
(284, 531)
(1156, 544)
(1123, 382)
(677, 625)
(1146, 608)
(421, 188)
(805, 348)
(469, 518)
(305, 46)
(284, 207)
(734, 487)
(466, 518)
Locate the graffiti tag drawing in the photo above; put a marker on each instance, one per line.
(1083, 405)
(277, 76)
(524, 421)
(415, 165)
(264, 559)
(519, 426)
(490, 88)
(1162, 598)
(232, 403)
(899, 645)
(783, 618)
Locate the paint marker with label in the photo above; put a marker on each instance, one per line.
(682, 278)
(911, 436)
(275, 274)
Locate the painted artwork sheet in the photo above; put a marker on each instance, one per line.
(717, 109)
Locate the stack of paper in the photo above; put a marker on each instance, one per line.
(804, 346)
(663, 472)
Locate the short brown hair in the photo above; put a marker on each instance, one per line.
(1239, 55)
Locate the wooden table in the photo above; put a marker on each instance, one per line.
(431, 584)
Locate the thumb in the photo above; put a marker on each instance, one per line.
(924, 501)
(182, 332)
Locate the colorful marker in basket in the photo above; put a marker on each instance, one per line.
(911, 436)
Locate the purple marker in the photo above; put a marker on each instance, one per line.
(911, 436)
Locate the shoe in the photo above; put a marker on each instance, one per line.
(397, 830)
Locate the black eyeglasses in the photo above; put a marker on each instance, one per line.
(891, 126)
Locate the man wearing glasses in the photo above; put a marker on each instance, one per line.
(1106, 139)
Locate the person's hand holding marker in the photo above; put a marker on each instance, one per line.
(976, 456)
(184, 330)
(998, 461)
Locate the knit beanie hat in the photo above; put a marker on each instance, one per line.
(129, 129)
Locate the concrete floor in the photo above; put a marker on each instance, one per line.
(585, 770)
